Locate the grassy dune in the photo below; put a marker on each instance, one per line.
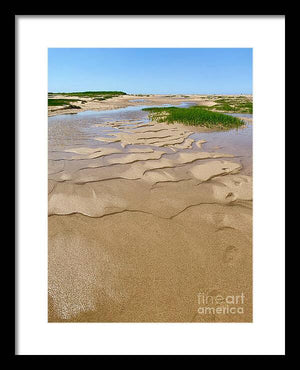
(195, 115)
(56, 102)
(91, 94)
(94, 95)
(237, 104)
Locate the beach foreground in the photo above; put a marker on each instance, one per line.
(147, 219)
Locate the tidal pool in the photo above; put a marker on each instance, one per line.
(81, 129)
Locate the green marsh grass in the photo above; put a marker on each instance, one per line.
(237, 104)
(56, 102)
(195, 115)
(92, 94)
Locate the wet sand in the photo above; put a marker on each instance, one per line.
(123, 101)
(144, 216)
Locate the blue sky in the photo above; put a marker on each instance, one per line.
(146, 71)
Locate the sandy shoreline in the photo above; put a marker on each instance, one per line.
(142, 218)
(124, 101)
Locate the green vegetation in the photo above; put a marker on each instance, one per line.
(94, 95)
(238, 104)
(106, 96)
(195, 115)
(55, 102)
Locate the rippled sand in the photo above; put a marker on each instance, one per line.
(142, 217)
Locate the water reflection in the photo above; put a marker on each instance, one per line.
(81, 130)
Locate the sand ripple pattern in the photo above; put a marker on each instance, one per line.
(165, 219)
(144, 172)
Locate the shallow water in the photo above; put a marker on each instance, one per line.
(80, 129)
(236, 141)
(131, 112)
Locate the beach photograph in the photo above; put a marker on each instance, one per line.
(150, 185)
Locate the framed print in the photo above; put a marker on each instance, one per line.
(147, 185)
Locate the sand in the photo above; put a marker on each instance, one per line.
(124, 101)
(143, 221)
